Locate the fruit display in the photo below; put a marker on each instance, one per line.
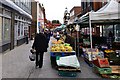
(93, 54)
(57, 42)
(61, 48)
(109, 51)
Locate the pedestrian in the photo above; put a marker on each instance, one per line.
(110, 40)
(40, 45)
(57, 36)
(110, 34)
(47, 36)
(26, 38)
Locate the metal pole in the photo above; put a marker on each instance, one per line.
(78, 41)
(90, 31)
(91, 36)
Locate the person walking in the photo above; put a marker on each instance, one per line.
(40, 45)
(110, 39)
(47, 34)
(57, 36)
(26, 38)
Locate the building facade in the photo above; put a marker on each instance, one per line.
(92, 5)
(101, 29)
(74, 12)
(15, 21)
(88, 5)
(38, 21)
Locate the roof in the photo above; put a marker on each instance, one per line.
(12, 5)
(74, 8)
(111, 6)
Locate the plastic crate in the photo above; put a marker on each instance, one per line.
(53, 62)
(102, 70)
(115, 69)
(61, 53)
(67, 73)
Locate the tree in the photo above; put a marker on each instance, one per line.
(56, 21)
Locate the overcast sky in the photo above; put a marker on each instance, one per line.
(55, 8)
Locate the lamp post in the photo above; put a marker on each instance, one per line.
(77, 29)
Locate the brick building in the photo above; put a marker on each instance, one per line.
(74, 12)
(94, 5)
(39, 18)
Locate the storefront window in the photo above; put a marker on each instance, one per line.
(107, 29)
(0, 28)
(25, 29)
(18, 28)
(117, 33)
(7, 24)
(21, 29)
(0, 10)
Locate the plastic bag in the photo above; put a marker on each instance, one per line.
(33, 51)
(32, 57)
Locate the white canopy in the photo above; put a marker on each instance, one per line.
(108, 12)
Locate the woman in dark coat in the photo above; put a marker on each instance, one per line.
(40, 45)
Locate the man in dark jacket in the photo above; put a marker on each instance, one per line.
(40, 45)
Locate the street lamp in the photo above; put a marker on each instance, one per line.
(77, 28)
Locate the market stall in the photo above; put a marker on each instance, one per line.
(109, 14)
(92, 54)
(63, 58)
(68, 66)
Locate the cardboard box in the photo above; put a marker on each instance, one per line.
(101, 62)
(102, 70)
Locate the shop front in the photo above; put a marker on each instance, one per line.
(5, 20)
(13, 26)
(0, 30)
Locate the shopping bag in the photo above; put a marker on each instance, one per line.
(32, 57)
(33, 51)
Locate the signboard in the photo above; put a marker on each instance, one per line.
(38, 23)
(77, 27)
(41, 19)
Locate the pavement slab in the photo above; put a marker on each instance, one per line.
(16, 64)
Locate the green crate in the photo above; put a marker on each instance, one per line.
(102, 70)
(67, 73)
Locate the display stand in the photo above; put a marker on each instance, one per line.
(66, 66)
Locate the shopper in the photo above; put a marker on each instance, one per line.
(70, 40)
(57, 36)
(110, 34)
(47, 36)
(40, 45)
(26, 38)
(110, 40)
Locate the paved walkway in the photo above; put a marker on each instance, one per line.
(16, 64)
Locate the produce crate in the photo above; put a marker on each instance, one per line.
(112, 76)
(101, 62)
(53, 62)
(114, 61)
(62, 53)
(115, 69)
(67, 73)
(63, 68)
(102, 70)
(113, 58)
(93, 55)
